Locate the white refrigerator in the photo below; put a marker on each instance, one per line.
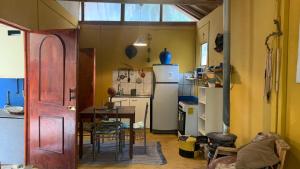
(165, 98)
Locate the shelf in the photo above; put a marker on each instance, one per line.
(201, 131)
(202, 116)
(202, 101)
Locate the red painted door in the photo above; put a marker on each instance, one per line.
(51, 65)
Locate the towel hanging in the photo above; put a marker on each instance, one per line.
(268, 76)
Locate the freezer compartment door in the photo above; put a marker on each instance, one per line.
(166, 73)
(165, 104)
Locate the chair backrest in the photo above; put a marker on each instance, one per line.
(146, 114)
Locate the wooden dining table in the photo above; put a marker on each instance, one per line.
(124, 112)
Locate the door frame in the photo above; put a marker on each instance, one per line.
(26, 84)
(26, 119)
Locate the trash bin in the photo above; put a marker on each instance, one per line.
(187, 146)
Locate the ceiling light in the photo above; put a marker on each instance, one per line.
(140, 42)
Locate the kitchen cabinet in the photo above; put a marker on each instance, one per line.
(11, 138)
(140, 106)
(120, 101)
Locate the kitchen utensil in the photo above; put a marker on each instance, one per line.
(118, 79)
(122, 76)
(143, 74)
(128, 75)
(138, 80)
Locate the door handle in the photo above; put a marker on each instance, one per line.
(72, 94)
(72, 108)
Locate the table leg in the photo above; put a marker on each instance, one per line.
(80, 138)
(131, 140)
(91, 133)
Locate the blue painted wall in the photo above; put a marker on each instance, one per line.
(11, 85)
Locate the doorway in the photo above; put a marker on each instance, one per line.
(12, 94)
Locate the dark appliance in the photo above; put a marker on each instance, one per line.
(181, 120)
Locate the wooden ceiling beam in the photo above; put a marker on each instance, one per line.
(200, 9)
(191, 11)
(176, 2)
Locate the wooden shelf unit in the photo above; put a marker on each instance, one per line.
(210, 115)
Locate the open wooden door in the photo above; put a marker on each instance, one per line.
(86, 78)
(52, 74)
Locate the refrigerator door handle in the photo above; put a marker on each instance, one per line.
(154, 84)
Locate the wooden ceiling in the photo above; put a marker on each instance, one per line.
(196, 8)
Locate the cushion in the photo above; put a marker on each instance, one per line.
(227, 162)
(257, 154)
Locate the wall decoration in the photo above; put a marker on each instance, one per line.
(219, 43)
(130, 51)
(298, 65)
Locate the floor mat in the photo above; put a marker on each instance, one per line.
(154, 155)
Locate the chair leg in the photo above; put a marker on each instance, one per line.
(120, 142)
(93, 149)
(91, 137)
(124, 138)
(145, 142)
(98, 142)
(117, 147)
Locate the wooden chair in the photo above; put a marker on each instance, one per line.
(106, 129)
(138, 127)
(281, 149)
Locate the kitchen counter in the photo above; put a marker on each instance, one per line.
(5, 114)
(129, 96)
(12, 138)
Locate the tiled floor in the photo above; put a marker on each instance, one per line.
(170, 150)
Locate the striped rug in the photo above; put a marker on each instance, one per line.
(154, 155)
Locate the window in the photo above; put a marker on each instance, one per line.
(99, 11)
(171, 13)
(204, 54)
(109, 11)
(142, 12)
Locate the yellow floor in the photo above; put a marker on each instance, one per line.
(170, 150)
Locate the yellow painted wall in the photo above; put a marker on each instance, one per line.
(251, 22)
(110, 42)
(293, 89)
(37, 14)
(214, 22)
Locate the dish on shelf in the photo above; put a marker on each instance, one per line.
(15, 110)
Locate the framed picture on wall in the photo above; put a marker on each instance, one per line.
(298, 65)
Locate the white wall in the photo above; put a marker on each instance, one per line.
(11, 54)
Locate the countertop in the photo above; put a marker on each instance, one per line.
(5, 114)
(129, 96)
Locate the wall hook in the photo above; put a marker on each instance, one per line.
(278, 33)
